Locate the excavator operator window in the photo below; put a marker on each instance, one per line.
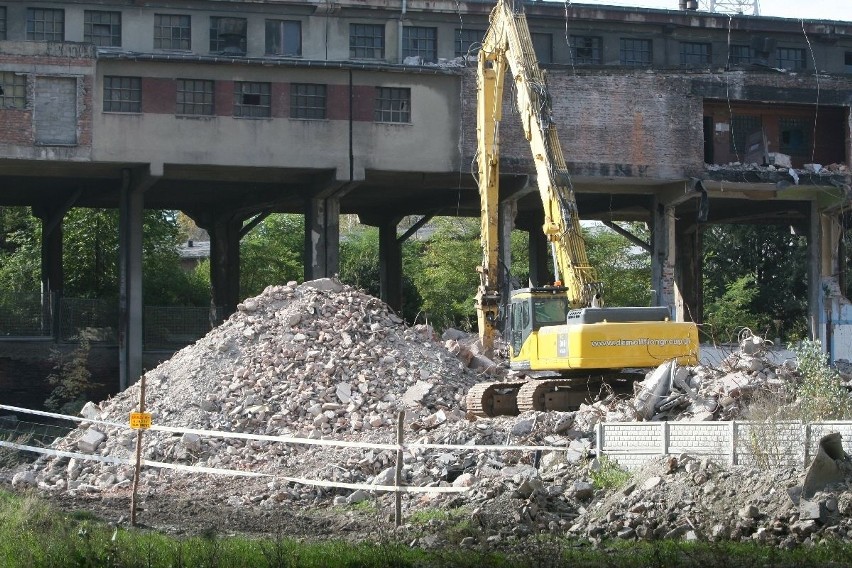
(550, 311)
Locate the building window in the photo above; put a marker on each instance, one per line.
(172, 31)
(13, 90)
(635, 52)
(194, 97)
(794, 135)
(307, 100)
(45, 24)
(252, 100)
(543, 45)
(393, 104)
(102, 28)
(740, 55)
(284, 37)
(586, 50)
(744, 127)
(694, 53)
(420, 42)
(366, 41)
(2, 22)
(122, 94)
(468, 42)
(228, 35)
(791, 58)
(847, 61)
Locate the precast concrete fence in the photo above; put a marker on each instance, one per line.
(780, 443)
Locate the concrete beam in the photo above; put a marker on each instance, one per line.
(131, 211)
(628, 235)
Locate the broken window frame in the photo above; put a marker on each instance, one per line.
(794, 135)
(173, 32)
(635, 52)
(420, 41)
(393, 105)
(284, 37)
(102, 28)
(586, 50)
(220, 45)
(252, 99)
(122, 94)
(2, 22)
(366, 41)
(743, 126)
(468, 41)
(791, 58)
(13, 90)
(308, 101)
(45, 24)
(695, 53)
(195, 97)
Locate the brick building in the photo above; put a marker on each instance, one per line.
(230, 110)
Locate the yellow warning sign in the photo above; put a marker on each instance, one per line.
(140, 420)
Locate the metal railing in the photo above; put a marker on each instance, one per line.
(69, 320)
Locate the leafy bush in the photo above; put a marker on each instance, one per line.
(821, 395)
(608, 475)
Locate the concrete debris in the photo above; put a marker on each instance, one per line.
(323, 360)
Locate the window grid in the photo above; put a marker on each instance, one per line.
(393, 104)
(795, 135)
(791, 58)
(102, 28)
(468, 42)
(740, 54)
(635, 52)
(122, 94)
(2, 22)
(195, 97)
(366, 41)
(418, 41)
(45, 24)
(694, 53)
(586, 50)
(172, 31)
(307, 100)
(252, 100)
(228, 35)
(14, 90)
(743, 126)
(284, 37)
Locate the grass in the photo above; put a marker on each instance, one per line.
(32, 534)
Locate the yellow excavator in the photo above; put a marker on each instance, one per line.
(560, 328)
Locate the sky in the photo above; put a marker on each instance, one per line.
(808, 9)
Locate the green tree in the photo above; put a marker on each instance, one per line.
(776, 262)
(624, 268)
(271, 253)
(20, 250)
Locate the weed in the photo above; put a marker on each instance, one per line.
(609, 475)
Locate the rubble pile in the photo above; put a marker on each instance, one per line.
(308, 361)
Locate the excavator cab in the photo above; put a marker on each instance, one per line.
(530, 309)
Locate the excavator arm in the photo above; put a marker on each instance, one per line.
(507, 46)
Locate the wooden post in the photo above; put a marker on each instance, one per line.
(138, 455)
(398, 475)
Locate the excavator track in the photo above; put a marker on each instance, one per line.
(493, 399)
(551, 394)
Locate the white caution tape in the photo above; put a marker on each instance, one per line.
(232, 472)
(292, 440)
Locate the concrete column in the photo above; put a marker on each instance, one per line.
(815, 316)
(52, 269)
(688, 269)
(663, 259)
(322, 237)
(224, 233)
(131, 206)
(390, 265)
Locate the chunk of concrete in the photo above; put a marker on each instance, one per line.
(653, 389)
(91, 440)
